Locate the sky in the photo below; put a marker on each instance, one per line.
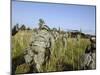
(65, 16)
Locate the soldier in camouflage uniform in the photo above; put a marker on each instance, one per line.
(89, 61)
(39, 49)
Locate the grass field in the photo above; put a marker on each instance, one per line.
(61, 59)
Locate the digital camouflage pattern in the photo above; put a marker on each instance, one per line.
(89, 58)
(41, 44)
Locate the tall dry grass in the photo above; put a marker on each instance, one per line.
(61, 58)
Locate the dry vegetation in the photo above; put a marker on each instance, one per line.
(61, 58)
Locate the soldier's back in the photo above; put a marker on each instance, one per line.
(41, 38)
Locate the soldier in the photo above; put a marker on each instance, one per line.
(90, 55)
(39, 49)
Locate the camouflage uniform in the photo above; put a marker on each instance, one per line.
(41, 44)
(90, 56)
(89, 61)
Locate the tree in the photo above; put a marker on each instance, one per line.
(28, 28)
(41, 23)
(22, 27)
(15, 29)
